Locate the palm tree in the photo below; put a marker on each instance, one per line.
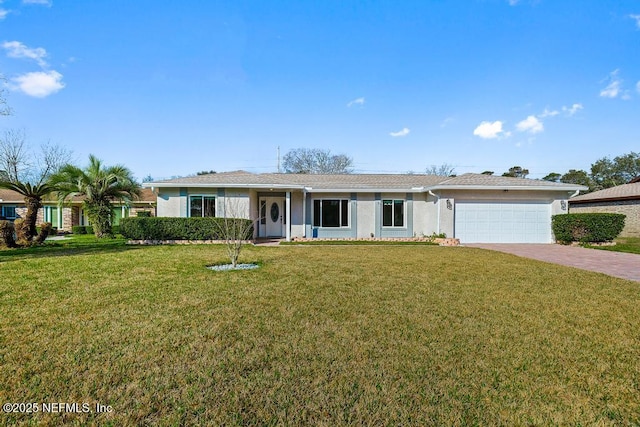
(99, 185)
(33, 194)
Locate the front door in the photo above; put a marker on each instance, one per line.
(272, 216)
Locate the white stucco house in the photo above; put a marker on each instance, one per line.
(470, 207)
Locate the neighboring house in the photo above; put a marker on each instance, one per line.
(70, 213)
(623, 199)
(471, 207)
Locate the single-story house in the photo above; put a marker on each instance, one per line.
(622, 199)
(71, 213)
(470, 207)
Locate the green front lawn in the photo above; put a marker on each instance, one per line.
(383, 335)
(623, 244)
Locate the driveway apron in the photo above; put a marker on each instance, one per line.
(617, 264)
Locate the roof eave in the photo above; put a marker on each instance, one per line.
(506, 187)
(365, 190)
(220, 185)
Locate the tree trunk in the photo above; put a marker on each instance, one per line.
(100, 217)
(31, 217)
(45, 230)
(22, 232)
(7, 237)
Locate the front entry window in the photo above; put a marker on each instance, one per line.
(275, 212)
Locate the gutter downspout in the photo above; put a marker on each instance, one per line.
(304, 212)
(438, 214)
(574, 194)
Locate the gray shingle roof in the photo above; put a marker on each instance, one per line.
(474, 179)
(358, 181)
(625, 191)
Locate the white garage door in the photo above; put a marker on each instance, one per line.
(499, 222)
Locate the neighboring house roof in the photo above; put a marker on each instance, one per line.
(10, 196)
(619, 192)
(359, 182)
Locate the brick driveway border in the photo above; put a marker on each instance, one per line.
(617, 264)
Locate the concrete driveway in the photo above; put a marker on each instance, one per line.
(617, 264)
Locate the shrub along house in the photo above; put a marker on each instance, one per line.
(622, 199)
(471, 207)
(71, 213)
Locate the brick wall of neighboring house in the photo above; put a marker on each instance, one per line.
(75, 216)
(67, 219)
(21, 212)
(40, 218)
(133, 211)
(630, 208)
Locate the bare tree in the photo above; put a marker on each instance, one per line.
(14, 156)
(19, 162)
(444, 169)
(234, 228)
(316, 161)
(28, 174)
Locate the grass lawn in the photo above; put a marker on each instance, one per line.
(623, 244)
(382, 335)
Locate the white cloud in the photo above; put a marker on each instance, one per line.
(3, 14)
(549, 113)
(403, 132)
(573, 109)
(42, 2)
(446, 122)
(637, 19)
(513, 2)
(638, 86)
(489, 130)
(38, 84)
(614, 88)
(531, 124)
(357, 101)
(16, 49)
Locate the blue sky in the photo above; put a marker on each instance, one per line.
(172, 88)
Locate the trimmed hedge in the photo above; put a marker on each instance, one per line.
(587, 227)
(163, 228)
(82, 229)
(145, 214)
(79, 229)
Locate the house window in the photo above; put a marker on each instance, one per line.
(263, 212)
(331, 213)
(118, 213)
(201, 206)
(52, 215)
(9, 212)
(393, 213)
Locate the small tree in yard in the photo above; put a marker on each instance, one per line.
(99, 185)
(234, 229)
